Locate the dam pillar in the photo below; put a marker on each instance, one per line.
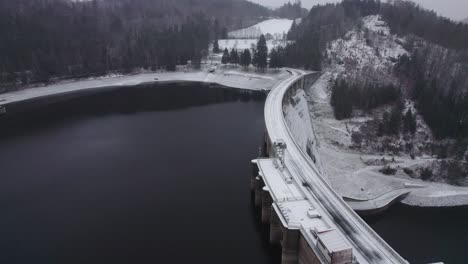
(266, 145)
(267, 201)
(254, 175)
(276, 234)
(290, 245)
(258, 191)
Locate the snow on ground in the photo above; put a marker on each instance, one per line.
(231, 76)
(352, 174)
(366, 51)
(275, 27)
(242, 44)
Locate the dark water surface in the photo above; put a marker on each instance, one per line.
(133, 175)
(159, 175)
(425, 235)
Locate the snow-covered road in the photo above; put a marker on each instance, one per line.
(368, 246)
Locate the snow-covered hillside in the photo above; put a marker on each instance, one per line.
(277, 28)
(369, 51)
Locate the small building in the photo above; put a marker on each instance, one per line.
(334, 248)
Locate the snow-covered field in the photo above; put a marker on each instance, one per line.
(275, 27)
(247, 38)
(230, 76)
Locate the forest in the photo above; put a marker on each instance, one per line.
(42, 39)
(434, 75)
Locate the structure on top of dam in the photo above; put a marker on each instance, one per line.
(310, 220)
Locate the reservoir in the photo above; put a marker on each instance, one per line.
(132, 175)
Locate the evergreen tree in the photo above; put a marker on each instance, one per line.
(409, 122)
(261, 57)
(234, 57)
(394, 124)
(341, 101)
(216, 46)
(281, 53)
(246, 58)
(273, 59)
(225, 59)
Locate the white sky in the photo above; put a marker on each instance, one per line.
(454, 9)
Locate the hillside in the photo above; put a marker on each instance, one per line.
(434, 61)
(394, 97)
(465, 20)
(60, 38)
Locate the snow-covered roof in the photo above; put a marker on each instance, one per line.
(333, 241)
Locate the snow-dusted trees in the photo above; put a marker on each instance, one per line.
(277, 58)
(225, 59)
(261, 55)
(409, 122)
(346, 96)
(246, 58)
(80, 38)
(234, 57)
(291, 10)
(340, 101)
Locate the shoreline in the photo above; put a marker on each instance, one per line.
(224, 76)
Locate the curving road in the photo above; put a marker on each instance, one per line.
(368, 247)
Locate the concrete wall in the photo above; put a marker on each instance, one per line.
(297, 116)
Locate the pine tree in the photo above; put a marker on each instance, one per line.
(234, 57)
(341, 101)
(395, 121)
(273, 59)
(409, 122)
(246, 58)
(281, 57)
(225, 59)
(216, 46)
(262, 53)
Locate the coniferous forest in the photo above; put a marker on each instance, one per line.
(42, 39)
(435, 75)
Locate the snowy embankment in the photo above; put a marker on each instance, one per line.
(353, 176)
(232, 77)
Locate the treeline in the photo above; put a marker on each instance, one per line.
(258, 57)
(324, 24)
(291, 11)
(445, 112)
(346, 96)
(329, 22)
(438, 82)
(397, 121)
(435, 74)
(405, 17)
(42, 39)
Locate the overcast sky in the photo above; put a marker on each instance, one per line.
(454, 9)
